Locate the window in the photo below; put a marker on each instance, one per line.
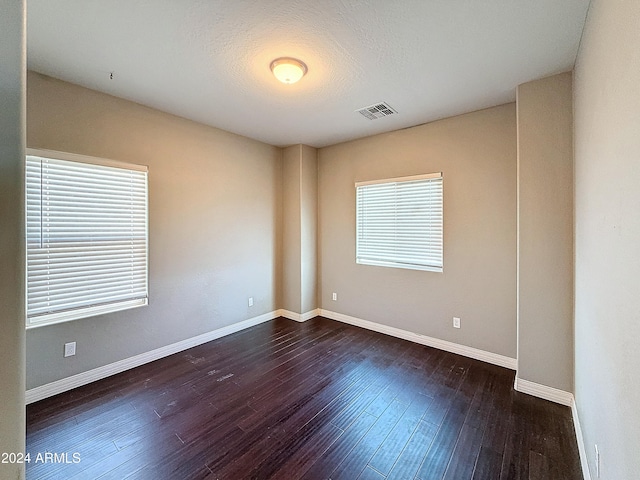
(86, 237)
(399, 222)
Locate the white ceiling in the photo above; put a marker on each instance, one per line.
(208, 60)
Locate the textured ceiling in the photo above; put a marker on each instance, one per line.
(208, 60)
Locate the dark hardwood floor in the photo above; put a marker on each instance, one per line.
(311, 400)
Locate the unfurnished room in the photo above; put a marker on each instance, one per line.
(341, 239)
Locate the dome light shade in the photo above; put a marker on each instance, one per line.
(288, 70)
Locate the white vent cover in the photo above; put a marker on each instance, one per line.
(377, 110)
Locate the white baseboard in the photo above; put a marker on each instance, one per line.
(586, 474)
(542, 391)
(470, 352)
(74, 381)
(299, 317)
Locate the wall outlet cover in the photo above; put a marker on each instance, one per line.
(69, 349)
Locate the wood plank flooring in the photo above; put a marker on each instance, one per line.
(313, 400)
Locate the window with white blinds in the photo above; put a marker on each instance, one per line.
(86, 237)
(399, 222)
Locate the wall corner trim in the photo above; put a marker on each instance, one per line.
(298, 317)
(74, 381)
(463, 350)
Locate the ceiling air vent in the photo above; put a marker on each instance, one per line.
(377, 110)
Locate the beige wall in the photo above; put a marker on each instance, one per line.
(309, 228)
(477, 154)
(545, 232)
(213, 212)
(12, 143)
(291, 224)
(607, 236)
(299, 227)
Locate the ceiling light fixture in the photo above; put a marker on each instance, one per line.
(288, 70)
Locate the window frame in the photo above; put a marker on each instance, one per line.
(409, 265)
(102, 308)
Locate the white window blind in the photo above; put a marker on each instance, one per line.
(399, 222)
(86, 238)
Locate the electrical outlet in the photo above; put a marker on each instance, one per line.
(251, 301)
(69, 349)
(334, 297)
(597, 461)
(456, 322)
